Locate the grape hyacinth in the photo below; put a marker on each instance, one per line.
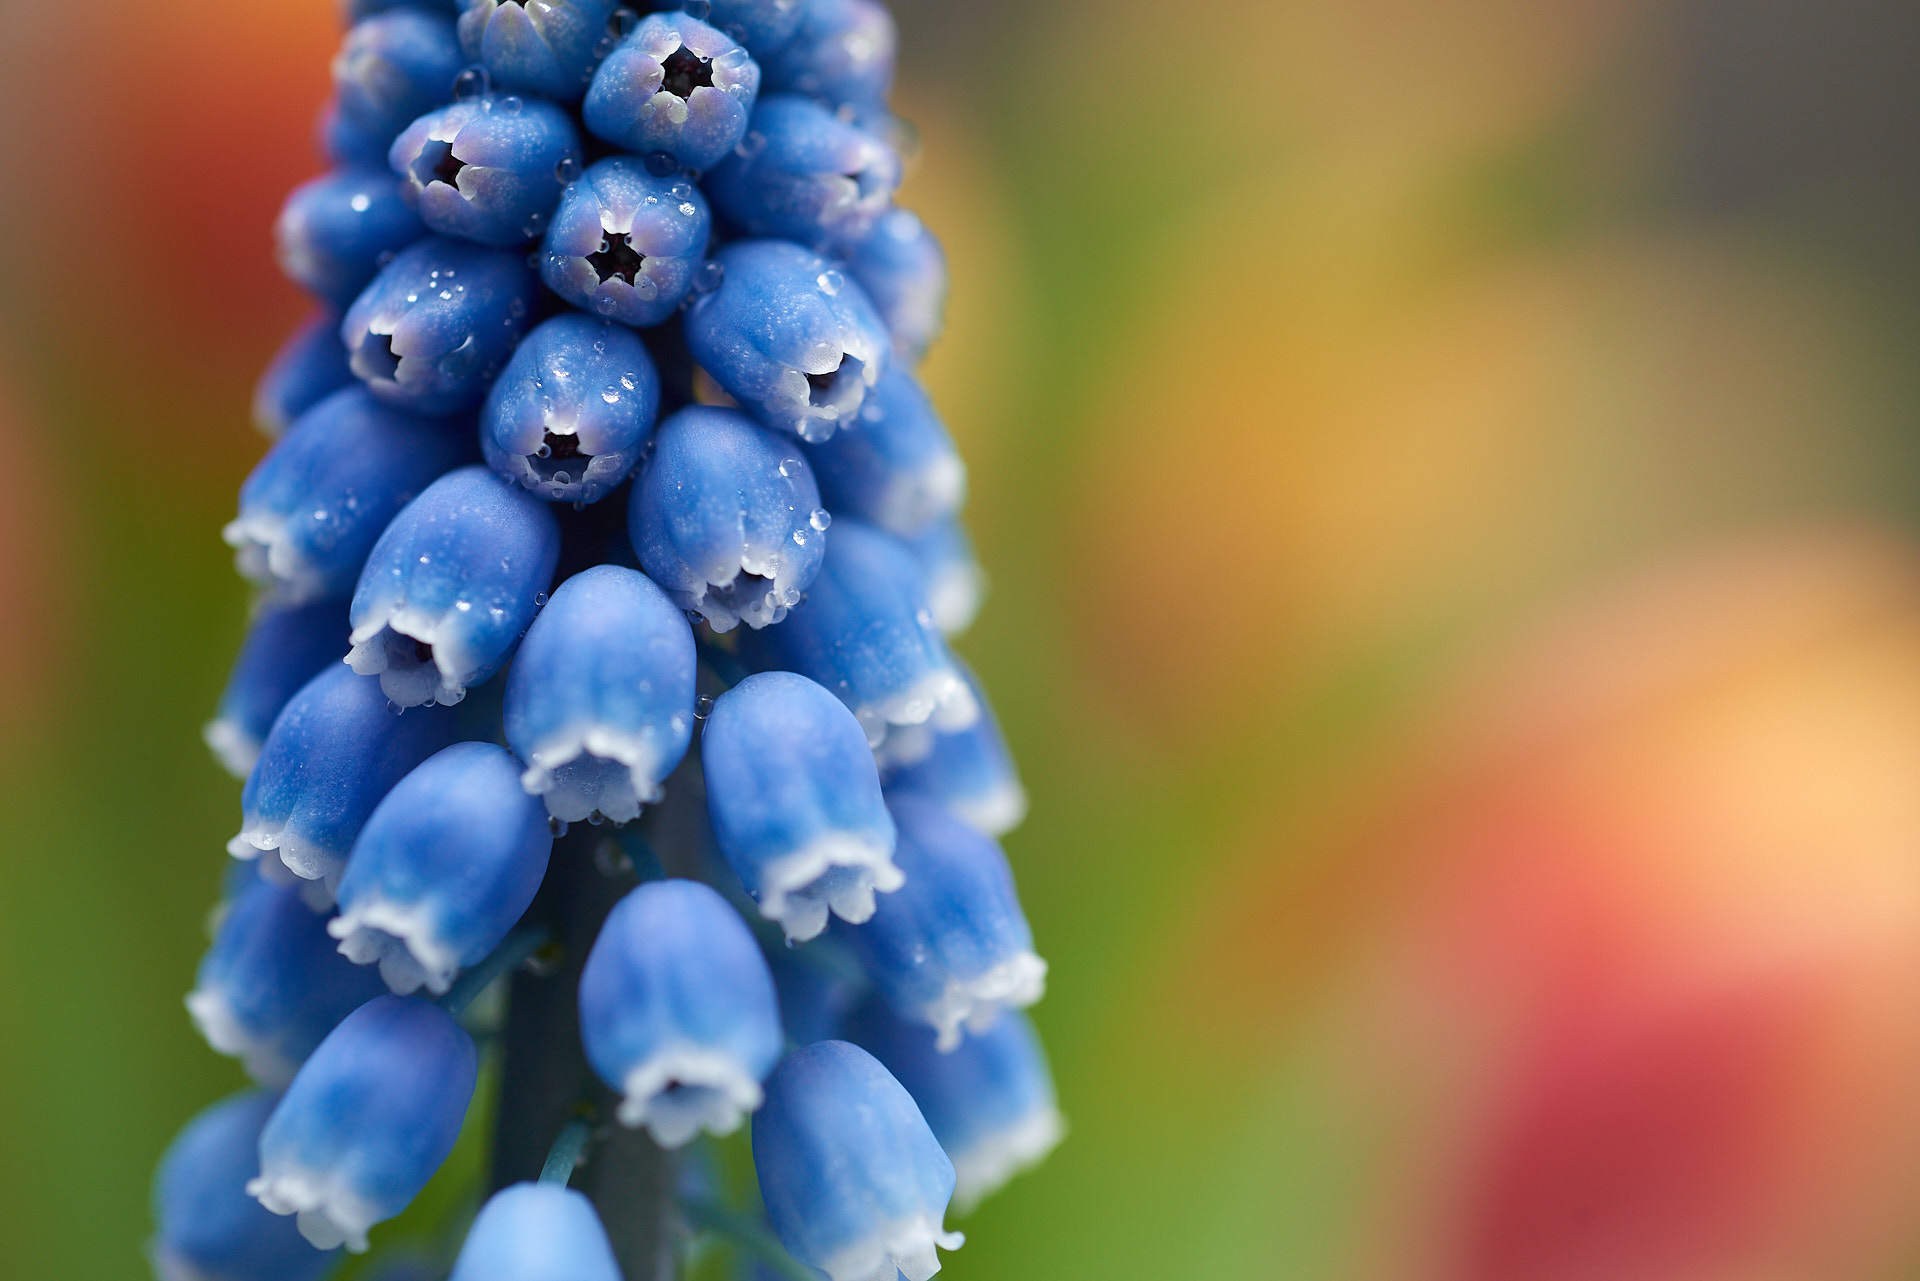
(601, 735)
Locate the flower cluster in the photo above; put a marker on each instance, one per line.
(601, 481)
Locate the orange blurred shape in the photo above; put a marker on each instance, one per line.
(1659, 978)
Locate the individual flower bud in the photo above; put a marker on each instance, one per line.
(675, 85)
(209, 1229)
(312, 508)
(568, 416)
(437, 324)
(487, 169)
(333, 752)
(450, 586)
(761, 25)
(788, 336)
(336, 231)
(542, 46)
(893, 464)
(820, 986)
(795, 802)
(865, 633)
(969, 771)
(990, 1101)
(536, 1232)
(854, 1182)
(271, 987)
(955, 583)
(600, 699)
(284, 649)
(367, 1121)
(804, 174)
(677, 1011)
(625, 244)
(443, 867)
(391, 68)
(951, 946)
(904, 271)
(726, 518)
(310, 366)
(842, 53)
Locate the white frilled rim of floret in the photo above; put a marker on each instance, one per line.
(596, 768)
(914, 498)
(954, 593)
(792, 396)
(328, 1212)
(684, 1089)
(231, 745)
(983, 1167)
(1014, 984)
(763, 600)
(904, 1245)
(996, 811)
(838, 872)
(264, 552)
(601, 472)
(298, 859)
(383, 646)
(940, 699)
(263, 1059)
(401, 938)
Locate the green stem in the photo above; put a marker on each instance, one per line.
(566, 1151)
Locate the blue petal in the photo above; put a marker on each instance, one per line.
(893, 465)
(450, 586)
(367, 1121)
(336, 231)
(761, 25)
(314, 506)
(727, 519)
(788, 336)
(333, 752)
(600, 699)
(955, 583)
(391, 68)
(310, 366)
(820, 986)
(804, 174)
(487, 169)
(208, 1226)
(674, 85)
(854, 1181)
(284, 649)
(444, 866)
(677, 1011)
(969, 771)
(624, 243)
(952, 946)
(570, 414)
(536, 1232)
(549, 48)
(904, 271)
(795, 802)
(842, 53)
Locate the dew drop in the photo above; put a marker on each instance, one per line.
(540, 598)
(661, 163)
(360, 203)
(681, 190)
(626, 380)
(472, 83)
(621, 24)
(710, 277)
(611, 395)
(511, 105)
(789, 467)
(750, 146)
(605, 305)
(703, 707)
(568, 170)
(820, 519)
(830, 282)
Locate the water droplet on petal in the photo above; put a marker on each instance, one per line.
(820, 519)
(472, 83)
(622, 22)
(698, 10)
(703, 707)
(568, 170)
(830, 282)
(611, 395)
(710, 277)
(540, 600)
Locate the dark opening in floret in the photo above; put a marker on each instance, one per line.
(422, 653)
(685, 72)
(560, 459)
(824, 386)
(375, 359)
(437, 163)
(617, 258)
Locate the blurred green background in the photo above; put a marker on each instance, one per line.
(1307, 357)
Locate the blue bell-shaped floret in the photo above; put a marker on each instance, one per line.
(969, 771)
(284, 649)
(487, 169)
(904, 272)
(548, 47)
(625, 243)
(804, 174)
(893, 464)
(841, 54)
(536, 1232)
(674, 85)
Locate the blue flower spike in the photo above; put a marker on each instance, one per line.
(354, 10)
(310, 366)
(333, 752)
(955, 583)
(438, 322)
(284, 649)
(893, 465)
(335, 232)
(866, 632)
(545, 47)
(313, 507)
(536, 1232)
(970, 771)
(625, 244)
(990, 1101)
(904, 271)
(678, 1013)
(444, 866)
(271, 987)
(208, 1228)
(788, 336)
(726, 517)
(761, 25)
(450, 586)
(795, 802)
(391, 68)
(368, 1119)
(803, 173)
(951, 948)
(487, 169)
(569, 415)
(842, 54)
(674, 85)
(854, 1182)
(600, 701)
